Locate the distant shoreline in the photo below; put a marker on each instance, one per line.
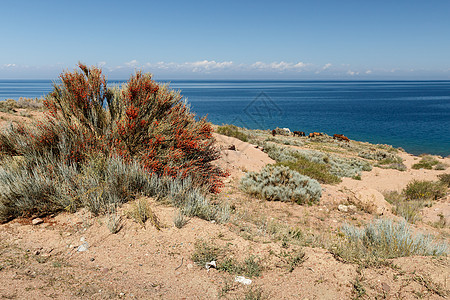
(411, 114)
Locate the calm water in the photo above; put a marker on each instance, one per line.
(414, 115)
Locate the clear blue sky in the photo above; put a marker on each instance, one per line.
(335, 39)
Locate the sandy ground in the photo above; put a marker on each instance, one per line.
(43, 262)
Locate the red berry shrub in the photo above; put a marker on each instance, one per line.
(145, 121)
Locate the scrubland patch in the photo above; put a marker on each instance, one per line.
(281, 184)
(383, 239)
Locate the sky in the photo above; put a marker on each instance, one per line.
(304, 40)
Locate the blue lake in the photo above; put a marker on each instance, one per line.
(414, 115)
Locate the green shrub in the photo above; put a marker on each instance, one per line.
(317, 171)
(424, 190)
(141, 211)
(440, 166)
(233, 131)
(332, 164)
(250, 267)
(41, 185)
(180, 220)
(383, 157)
(427, 162)
(445, 179)
(384, 239)
(408, 209)
(205, 252)
(395, 166)
(281, 184)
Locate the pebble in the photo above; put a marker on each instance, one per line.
(343, 208)
(37, 221)
(243, 280)
(83, 247)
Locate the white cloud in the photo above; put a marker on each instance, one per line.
(368, 72)
(206, 65)
(352, 73)
(278, 66)
(9, 65)
(327, 66)
(132, 63)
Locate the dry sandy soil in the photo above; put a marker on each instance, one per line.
(43, 262)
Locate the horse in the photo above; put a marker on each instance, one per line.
(341, 137)
(299, 133)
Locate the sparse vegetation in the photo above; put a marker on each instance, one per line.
(11, 105)
(427, 162)
(250, 267)
(384, 239)
(281, 184)
(180, 220)
(141, 211)
(325, 168)
(440, 167)
(233, 131)
(205, 252)
(114, 221)
(315, 170)
(293, 258)
(445, 179)
(408, 209)
(424, 190)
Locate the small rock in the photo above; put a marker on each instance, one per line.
(190, 266)
(105, 270)
(232, 147)
(37, 221)
(343, 208)
(211, 264)
(386, 288)
(351, 207)
(92, 259)
(83, 247)
(37, 252)
(243, 280)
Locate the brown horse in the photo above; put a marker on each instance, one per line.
(313, 134)
(299, 133)
(341, 137)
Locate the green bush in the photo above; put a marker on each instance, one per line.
(424, 190)
(427, 162)
(408, 209)
(43, 184)
(206, 252)
(250, 267)
(440, 167)
(317, 171)
(233, 131)
(383, 157)
(279, 183)
(445, 179)
(384, 239)
(332, 164)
